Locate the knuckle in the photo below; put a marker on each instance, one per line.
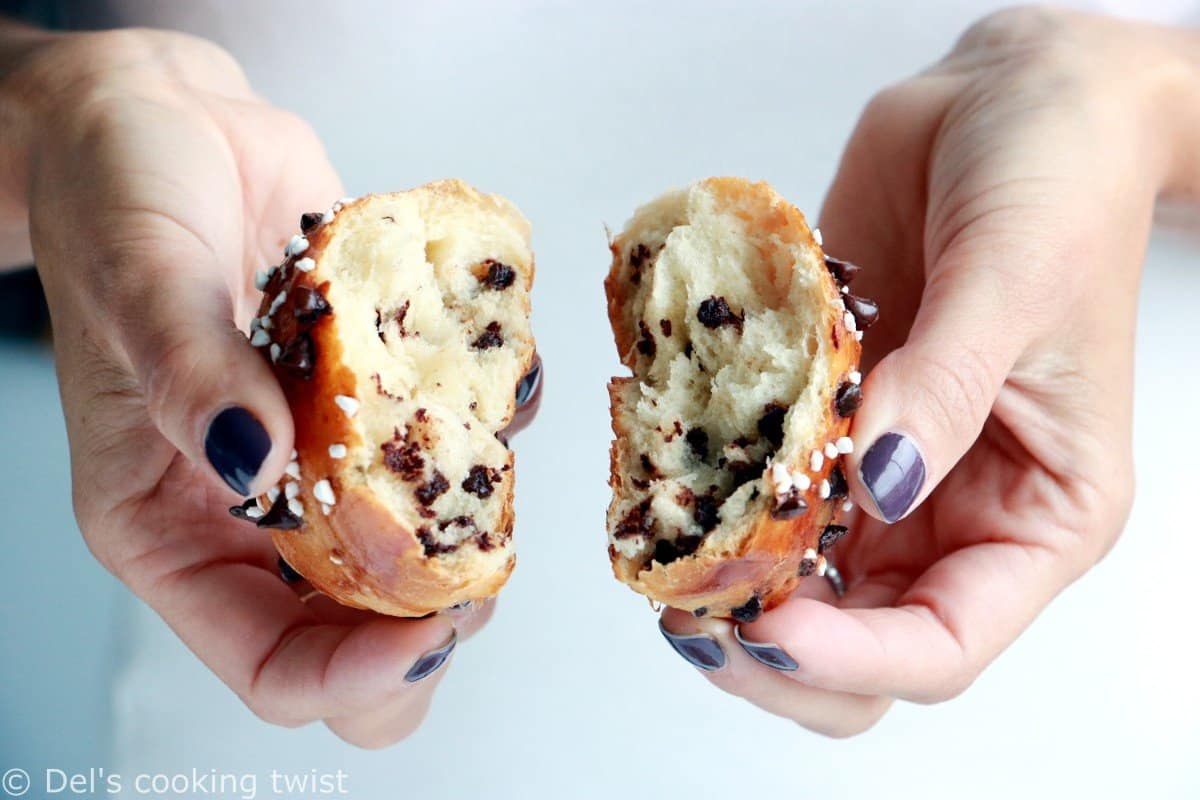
(174, 380)
(1014, 26)
(958, 393)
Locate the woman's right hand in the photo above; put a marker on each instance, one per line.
(157, 183)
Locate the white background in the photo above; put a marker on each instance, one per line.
(578, 113)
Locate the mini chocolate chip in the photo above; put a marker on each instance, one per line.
(638, 483)
(489, 338)
(715, 312)
(240, 511)
(498, 276)
(842, 271)
(700, 612)
(697, 439)
(435, 487)
(278, 516)
(770, 424)
(646, 344)
(748, 612)
(838, 487)
(638, 256)
(382, 338)
(790, 505)
(666, 551)
(287, 572)
(401, 313)
(745, 471)
(665, 326)
(479, 481)
(298, 357)
(405, 459)
(310, 220)
(707, 514)
(309, 305)
(830, 535)
(484, 541)
(421, 414)
(688, 350)
(637, 522)
(648, 466)
(865, 311)
(432, 546)
(848, 399)
(808, 566)
(528, 385)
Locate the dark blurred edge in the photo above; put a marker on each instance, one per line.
(23, 312)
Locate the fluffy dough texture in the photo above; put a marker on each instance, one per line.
(398, 327)
(725, 465)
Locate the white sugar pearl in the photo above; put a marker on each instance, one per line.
(780, 478)
(337, 451)
(347, 404)
(276, 351)
(292, 489)
(326, 508)
(858, 336)
(273, 493)
(260, 338)
(293, 470)
(848, 320)
(823, 490)
(820, 240)
(327, 217)
(845, 445)
(296, 245)
(296, 507)
(801, 481)
(260, 279)
(305, 264)
(855, 377)
(277, 302)
(253, 512)
(831, 450)
(335, 560)
(323, 491)
(846, 506)
(816, 461)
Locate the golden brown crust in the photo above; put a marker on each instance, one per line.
(356, 550)
(765, 566)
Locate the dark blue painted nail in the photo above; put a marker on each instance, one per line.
(893, 472)
(699, 649)
(771, 655)
(236, 445)
(428, 664)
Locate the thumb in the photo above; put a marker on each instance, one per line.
(208, 391)
(926, 402)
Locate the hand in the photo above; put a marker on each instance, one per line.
(1000, 204)
(158, 183)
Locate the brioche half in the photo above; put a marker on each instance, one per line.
(398, 327)
(743, 341)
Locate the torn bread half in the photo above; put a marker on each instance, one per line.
(743, 340)
(398, 326)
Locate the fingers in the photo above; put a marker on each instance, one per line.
(925, 403)
(936, 639)
(288, 666)
(712, 647)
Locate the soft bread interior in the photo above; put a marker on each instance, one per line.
(722, 322)
(431, 292)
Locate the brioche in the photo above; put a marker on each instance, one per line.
(398, 327)
(726, 466)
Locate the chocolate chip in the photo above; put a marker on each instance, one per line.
(770, 424)
(715, 312)
(309, 305)
(697, 439)
(748, 612)
(638, 256)
(648, 466)
(700, 612)
(848, 399)
(790, 505)
(278, 516)
(479, 481)
(498, 276)
(287, 572)
(830, 535)
(665, 326)
(745, 471)
(842, 271)
(421, 414)
(435, 487)
(528, 384)
(646, 345)
(298, 357)
(865, 311)
(484, 541)
(838, 487)
(489, 338)
(310, 220)
(707, 514)
(688, 350)
(432, 546)
(382, 338)
(666, 551)
(637, 522)
(401, 313)
(240, 511)
(808, 566)
(405, 459)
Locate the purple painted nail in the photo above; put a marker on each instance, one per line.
(428, 664)
(771, 655)
(893, 472)
(700, 650)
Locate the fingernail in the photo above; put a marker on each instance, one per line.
(428, 664)
(893, 472)
(772, 655)
(699, 649)
(236, 445)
